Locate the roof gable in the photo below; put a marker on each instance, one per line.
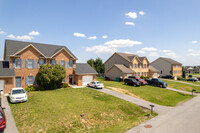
(122, 68)
(84, 68)
(169, 60)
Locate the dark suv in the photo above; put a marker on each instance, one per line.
(168, 77)
(130, 81)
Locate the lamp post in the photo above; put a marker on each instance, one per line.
(193, 91)
(151, 105)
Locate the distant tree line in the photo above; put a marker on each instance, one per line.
(97, 64)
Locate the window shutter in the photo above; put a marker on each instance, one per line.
(73, 63)
(26, 63)
(59, 62)
(13, 63)
(22, 63)
(44, 61)
(65, 64)
(26, 80)
(38, 63)
(33, 63)
(68, 64)
(65, 79)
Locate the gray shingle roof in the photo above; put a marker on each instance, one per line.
(153, 69)
(170, 60)
(84, 68)
(6, 72)
(123, 68)
(130, 57)
(13, 47)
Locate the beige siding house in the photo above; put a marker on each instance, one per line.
(124, 65)
(167, 66)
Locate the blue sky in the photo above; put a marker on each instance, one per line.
(97, 28)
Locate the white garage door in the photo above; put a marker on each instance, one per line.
(155, 75)
(87, 79)
(129, 75)
(1, 84)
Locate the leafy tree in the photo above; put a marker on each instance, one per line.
(91, 63)
(49, 77)
(97, 65)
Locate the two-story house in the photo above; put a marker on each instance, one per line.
(122, 65)
(167, 66)
(22, 61)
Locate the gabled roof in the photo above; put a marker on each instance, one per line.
(123, 68)
(153, 69)
(13, 47)
(171, 61)
(129, 57)
(84, 68)
(6, 72)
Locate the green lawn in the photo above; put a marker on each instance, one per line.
(76, 110)
(153, 94)
(186, 87)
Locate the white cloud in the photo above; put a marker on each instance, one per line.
(104, 36)
(193, 52)
(101, 49)
(141, 13)
(34, 33)
(128, 52)
(122, 43)
(2, 32)
(129, 23)
(194, 42)
(92, 37)
(166, 51)
(131, 15)
(153, 54)
(149, 49)
(24, 37)
(79, 34)
(140, 52)
(172, 54)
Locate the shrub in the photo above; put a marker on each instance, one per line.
(142, 77)
(50, 77)
(180, 78)
(65, 85)
(146, 77)
(30, 88)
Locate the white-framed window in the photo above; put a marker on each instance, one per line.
(141, 65)
(18, 63)
(145, 65)
(53, 62)
(30, 63)
(131, 65)
(142, 74)
(62, 63)
(145, 73)
(30, 80)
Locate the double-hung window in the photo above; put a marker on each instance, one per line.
(18, 63)
(145, 65)
(62, 63)
(135, 65)
(40, 62)
(71, 64)
(30, 63)
(30, 80)
(138, 65)
(53, 62)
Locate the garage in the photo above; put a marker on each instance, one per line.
(1, 84)
(86, 80)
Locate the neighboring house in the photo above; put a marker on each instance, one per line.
(23, 59)
(153, 72)
(191, 69)
(167, 66)
(124, 65)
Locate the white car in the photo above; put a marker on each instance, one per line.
(17, 95)
(96, 84)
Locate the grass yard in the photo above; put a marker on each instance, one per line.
(76, 110)
(186, 87)
(152, 94)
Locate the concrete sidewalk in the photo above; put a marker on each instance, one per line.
(10, 122)
(158, 108)
(184, 118)
(181, 82)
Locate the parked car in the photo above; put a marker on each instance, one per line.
(168, 77)
(189, 76)
(17, 95)
(198, 78)
(192, 79)
(96, 84)
(142, 82)
(133, 77)
(2, 119)
(131, 81)
(157, 82)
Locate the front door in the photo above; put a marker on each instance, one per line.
(17, 82)
(70, 79)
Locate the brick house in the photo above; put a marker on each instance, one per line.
(22, 61)
(124, 65)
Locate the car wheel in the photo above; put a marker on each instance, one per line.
(126, 83)
(134, 85)
(95, 87)
(161, 86)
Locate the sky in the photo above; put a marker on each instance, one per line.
(98, 28)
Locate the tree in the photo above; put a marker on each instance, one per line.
(91, 63)
(50, 77)
(97, 65)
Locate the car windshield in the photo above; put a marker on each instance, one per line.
(98, 82)
(160, 80)
(134, 80)
(141, 79)
(20, 91)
